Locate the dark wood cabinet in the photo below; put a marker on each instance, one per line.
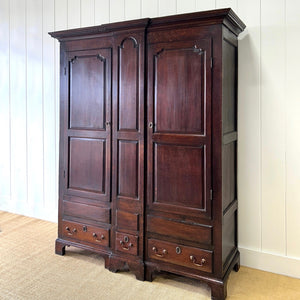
(148, 145)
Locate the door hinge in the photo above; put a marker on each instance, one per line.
(64, 173)
(211, 62)
(65, 70)
(211, 195)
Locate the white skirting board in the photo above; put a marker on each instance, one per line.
(284, 265)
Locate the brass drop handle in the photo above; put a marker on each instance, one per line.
(124, 247)
(69, 231)
(102, 237)
(193, 259)
(164, 252)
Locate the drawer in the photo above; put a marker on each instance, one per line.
(87, 233)
(127, 243)
(196, 233)
(190, 257)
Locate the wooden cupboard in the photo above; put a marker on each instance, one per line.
(148, 145)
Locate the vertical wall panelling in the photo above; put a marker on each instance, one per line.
(35, 105)
(273, 125)
(4, 104)
(167, 7)
(18, 201)
(185, 6)
(227, 3)
(292, 92)
(205, 4)
(74, 17)
(61, 15)
(249, 145)
(149, 8)
(117, 10)
(60, 23)
(101, 11)
(50, 175)
(132, 9)
(87, 13)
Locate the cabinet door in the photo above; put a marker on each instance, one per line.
(179, 127)
(87, 125)
(128, 138)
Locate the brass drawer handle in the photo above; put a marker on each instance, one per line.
(124, 247)
(102, 237)
(164, 252)
(193, 259)
(71, 232)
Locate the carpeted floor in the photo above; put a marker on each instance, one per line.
(29, 269)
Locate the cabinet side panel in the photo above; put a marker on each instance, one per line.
(229, 89)
(229, 147)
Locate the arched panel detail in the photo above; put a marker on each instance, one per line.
(135, 43)
(128, 85)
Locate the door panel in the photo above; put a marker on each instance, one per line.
(87, 86)
(88, 133)
(87, 164)
(179, 175)
(128, 84)
(128, 169)
(179, 127)
(185, 115)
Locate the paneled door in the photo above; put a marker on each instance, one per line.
(87, 127)
(128, 142)
(179, 128)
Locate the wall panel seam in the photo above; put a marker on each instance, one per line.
(43, 106)
(285, 129)
(260, 126)
(26, 102)
(9, 98)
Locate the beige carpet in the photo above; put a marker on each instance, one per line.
(29, 269)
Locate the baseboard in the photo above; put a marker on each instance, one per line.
(269, 262)
(39, 212)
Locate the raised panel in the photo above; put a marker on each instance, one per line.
(176, 229)
(128, 168)
(87, 91)
(229, 94)
(229, 174)
(87, 164)
(128, 86)
(179, 93)
(127, 221)
(87, 212)
(179, 175)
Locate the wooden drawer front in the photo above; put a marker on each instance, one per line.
(127, 243)
(86, 233)
(195, 233)
(180, 255)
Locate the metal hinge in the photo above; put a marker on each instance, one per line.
(65, 71)
(64, 173)
(211, 195)
(211, 62)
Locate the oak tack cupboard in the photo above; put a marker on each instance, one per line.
(148, 145)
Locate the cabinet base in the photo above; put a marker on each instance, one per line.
(218, 286)
(60, 247)
(117, 264)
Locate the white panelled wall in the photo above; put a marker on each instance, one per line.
(269, 112)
